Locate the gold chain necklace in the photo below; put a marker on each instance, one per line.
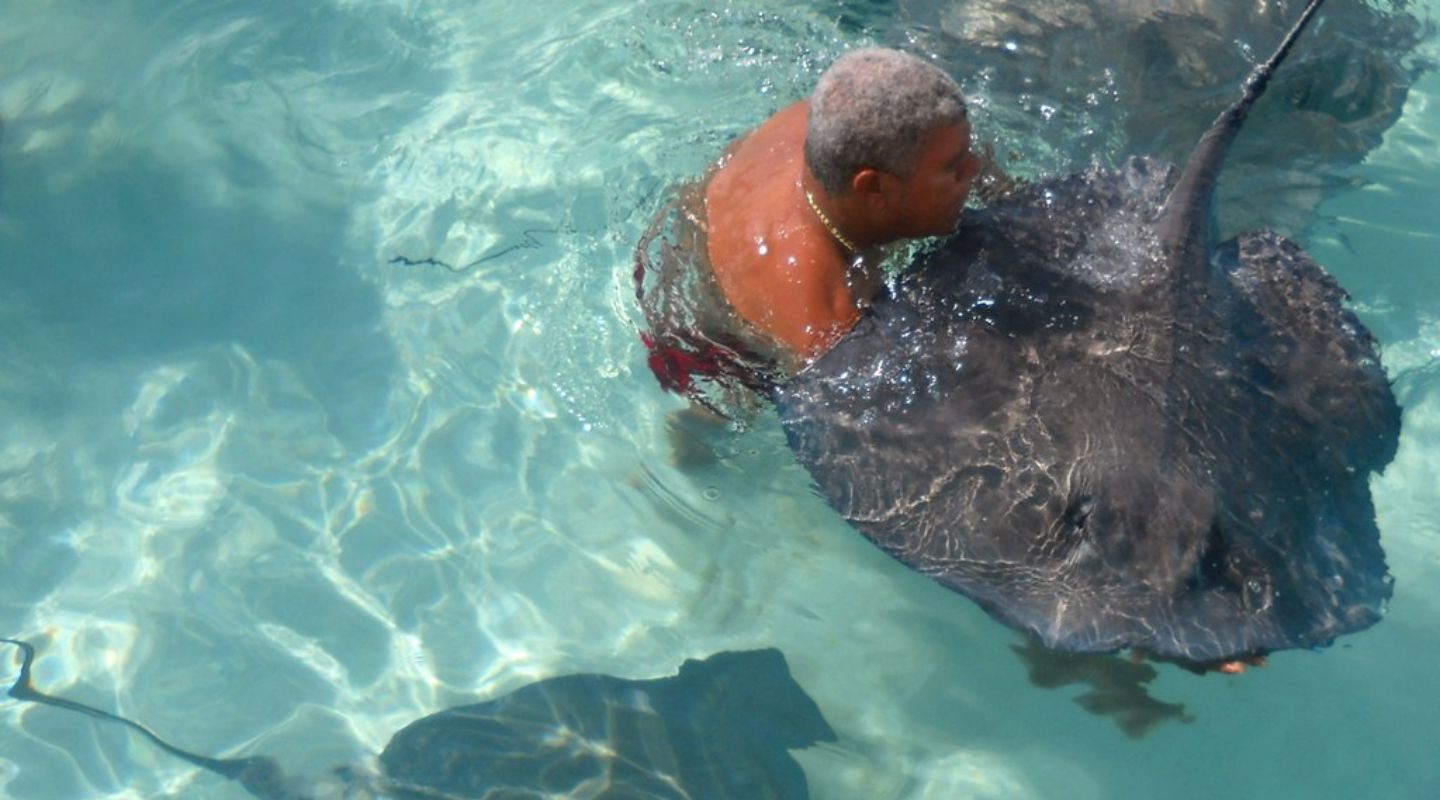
(830, 226)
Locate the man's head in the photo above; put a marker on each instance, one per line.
(892, 126)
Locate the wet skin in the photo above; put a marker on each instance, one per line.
(779, 266)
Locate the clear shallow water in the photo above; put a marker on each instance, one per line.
(269, 490)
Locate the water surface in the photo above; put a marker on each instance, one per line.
(322, 406)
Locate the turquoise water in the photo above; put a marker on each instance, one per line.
(271, 490)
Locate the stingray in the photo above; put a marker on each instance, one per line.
(1111, 431)
(721, 729)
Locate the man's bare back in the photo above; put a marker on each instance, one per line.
(779, 266)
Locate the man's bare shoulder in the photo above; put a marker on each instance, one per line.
(750, 201)
(785, 126)
(777, 146)
(784, 276)
(778, 267)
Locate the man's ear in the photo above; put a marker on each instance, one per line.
(867, 180)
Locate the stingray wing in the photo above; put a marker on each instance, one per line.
(1305, 419)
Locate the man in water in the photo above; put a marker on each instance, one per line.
(796, 209)
(793, 215)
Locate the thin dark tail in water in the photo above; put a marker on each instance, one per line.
(261, 776)
(1184, 225)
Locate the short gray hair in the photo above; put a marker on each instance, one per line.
(873, 108)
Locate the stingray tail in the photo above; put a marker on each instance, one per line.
(261, 776)
(1184, 225)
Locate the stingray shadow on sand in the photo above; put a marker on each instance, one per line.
(1112, 432)
(721, 729)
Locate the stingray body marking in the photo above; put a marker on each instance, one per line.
(1111, 433)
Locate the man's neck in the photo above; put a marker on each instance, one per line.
(845, 216)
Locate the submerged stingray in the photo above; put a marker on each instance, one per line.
(719, 730)
(1111, 433)
(1116, 687)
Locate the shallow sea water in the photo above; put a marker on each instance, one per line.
(322, 408)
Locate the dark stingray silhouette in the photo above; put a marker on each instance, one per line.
(1118, 688)
(1169, 65)
(1110, 432)
(719, 730)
